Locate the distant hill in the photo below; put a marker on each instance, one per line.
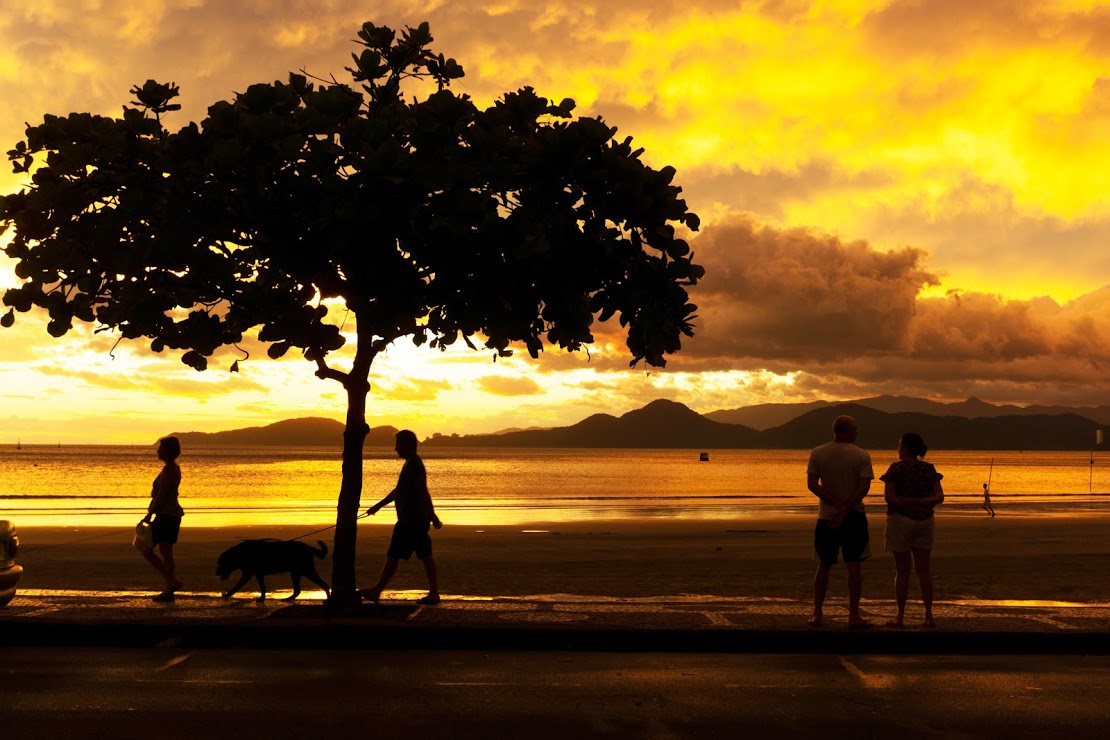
(666, 424)
(767, 415)
(660, 424)
(305, 432)
(879, 430)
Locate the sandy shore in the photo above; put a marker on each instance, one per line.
(1057, 558)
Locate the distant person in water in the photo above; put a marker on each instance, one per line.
(912, 491)
(415, 516)
(166, 513)
(987, 499)
(839, 475)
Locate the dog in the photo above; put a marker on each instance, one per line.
(259, 558)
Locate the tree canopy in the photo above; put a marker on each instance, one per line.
(424, 215)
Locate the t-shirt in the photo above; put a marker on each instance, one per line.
(911, 479)
(840, 466)
(409, 498)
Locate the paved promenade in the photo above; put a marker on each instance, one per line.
(547, 622)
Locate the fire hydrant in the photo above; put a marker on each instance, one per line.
(10, 573)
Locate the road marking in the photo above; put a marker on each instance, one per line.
(1053, 622)
(718, 620)
(40, 612)
(869, 681)
(171, 663)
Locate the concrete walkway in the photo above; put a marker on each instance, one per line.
(547, 622)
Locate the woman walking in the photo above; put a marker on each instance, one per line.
(166, 512)
(912, 492)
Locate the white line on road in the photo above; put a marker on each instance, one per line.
(171, 663)
(718, 620)
(869, 681)
(40, 612)
(1053, 622)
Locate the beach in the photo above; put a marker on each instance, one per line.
(1060, 558)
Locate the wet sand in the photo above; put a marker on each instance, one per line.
(1053, 558)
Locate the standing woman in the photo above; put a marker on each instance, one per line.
(167, 513)
(912, 492)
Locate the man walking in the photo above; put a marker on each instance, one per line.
(840, 475)
(415, 515)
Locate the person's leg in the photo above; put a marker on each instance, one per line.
(433, 580)
(855, 590)
(166, 550)
(375, 593)
(826, 548)
(856, 545)
(901, 585)
(922, 564)
(820, 588)
(156, 562)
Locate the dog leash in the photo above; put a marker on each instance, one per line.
(324, 529)
(40, 548)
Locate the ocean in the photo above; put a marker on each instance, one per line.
(43, 485)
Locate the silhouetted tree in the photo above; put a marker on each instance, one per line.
(427, 217)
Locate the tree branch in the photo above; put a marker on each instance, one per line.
(327, 373)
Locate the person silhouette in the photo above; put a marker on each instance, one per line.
(415, 514)
(839, 474)
(987, 499)
(912, 491)
(166, 512)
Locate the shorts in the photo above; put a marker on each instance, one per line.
(904, 534)
(410, 537)
(164, 529)
(851, 538)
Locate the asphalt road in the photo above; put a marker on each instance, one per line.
(170, 693)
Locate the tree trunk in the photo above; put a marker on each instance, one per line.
(343, 586)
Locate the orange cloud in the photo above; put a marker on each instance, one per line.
(500, 385)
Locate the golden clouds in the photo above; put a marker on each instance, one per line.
(873, 149)
(500, 385)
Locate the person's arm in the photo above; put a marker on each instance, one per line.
(937, 497)
(926, 503)
(863, 487)
(426, 501)
(813, 482)
(385, 501)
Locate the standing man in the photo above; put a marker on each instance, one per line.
(415, 515)
(839, 475)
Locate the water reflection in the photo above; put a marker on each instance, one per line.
(109, 486)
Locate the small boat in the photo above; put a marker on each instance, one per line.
(703, 457)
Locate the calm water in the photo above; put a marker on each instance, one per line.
(110, 486)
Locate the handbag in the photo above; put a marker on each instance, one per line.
(144, 537)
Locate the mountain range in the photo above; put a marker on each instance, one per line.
(767, 415)
(310, 431)
(668, 424)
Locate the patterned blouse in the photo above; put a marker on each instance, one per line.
(911, 479)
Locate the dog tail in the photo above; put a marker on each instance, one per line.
(322, 552)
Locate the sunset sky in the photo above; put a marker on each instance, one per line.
(897, 196)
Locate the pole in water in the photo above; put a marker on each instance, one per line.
(1091, 479)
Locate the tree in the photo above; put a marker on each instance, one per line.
(427, 218)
